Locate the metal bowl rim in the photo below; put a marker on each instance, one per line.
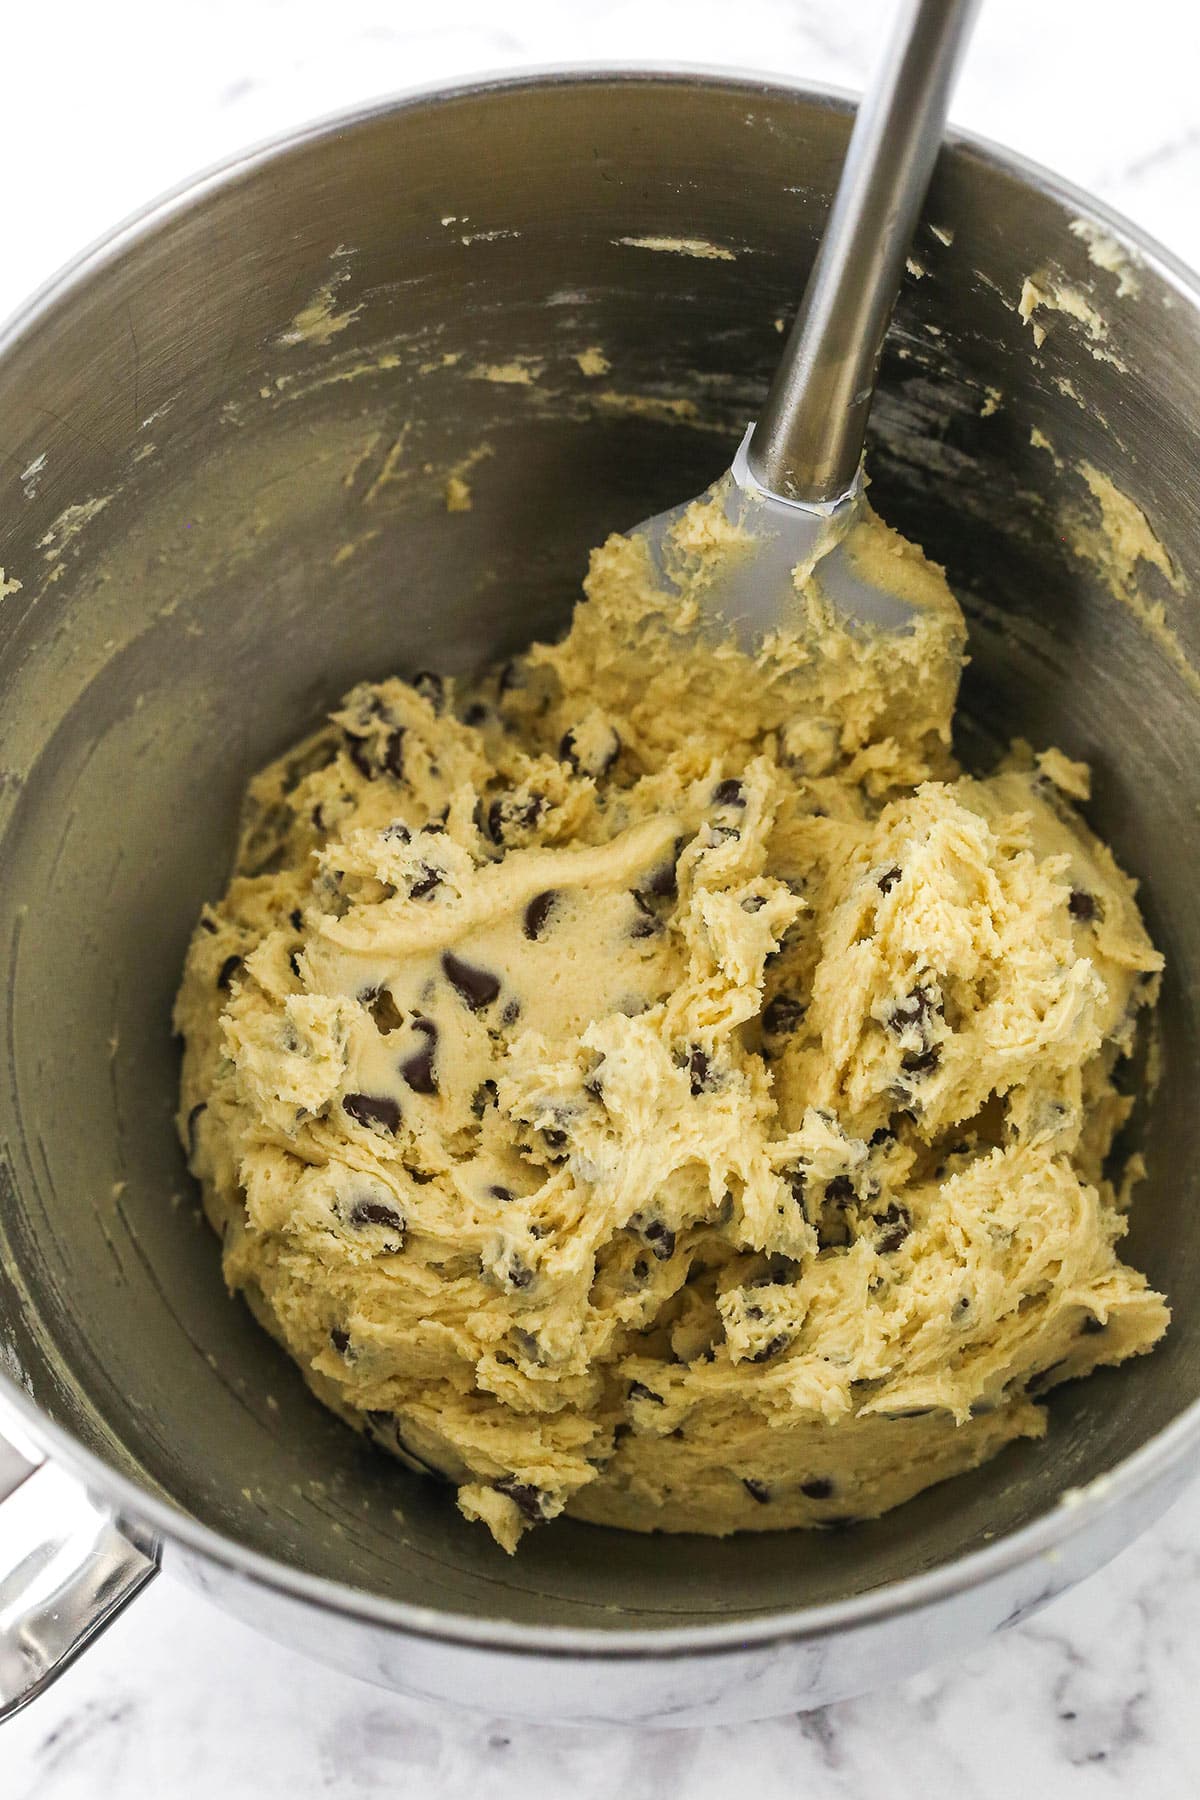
(138, 1506)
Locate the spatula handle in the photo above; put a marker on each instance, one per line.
(808, 441)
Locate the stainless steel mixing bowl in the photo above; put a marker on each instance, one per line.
(226, 434)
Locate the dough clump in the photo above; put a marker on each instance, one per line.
(655, 1084)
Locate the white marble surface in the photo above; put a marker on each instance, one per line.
(103, 106)
(1094, 1699)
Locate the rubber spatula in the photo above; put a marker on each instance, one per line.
(796, 485)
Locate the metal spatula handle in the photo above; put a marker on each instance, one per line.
(808, 441)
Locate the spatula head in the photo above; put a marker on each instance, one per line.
(751, 561)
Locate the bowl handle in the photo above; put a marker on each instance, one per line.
(66, 1570)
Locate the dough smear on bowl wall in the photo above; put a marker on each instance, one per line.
(655, 1084)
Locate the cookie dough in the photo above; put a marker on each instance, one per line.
(655, 1084)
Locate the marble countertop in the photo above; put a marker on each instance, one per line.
(105, 106)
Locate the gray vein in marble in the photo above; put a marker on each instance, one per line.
(1160, 158)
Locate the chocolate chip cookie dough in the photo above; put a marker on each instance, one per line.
(656, 1085)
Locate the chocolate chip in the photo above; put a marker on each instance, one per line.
(566, 750)
(210, 925)
(796, 1177)
(729, 793)
(518, 1274)
(1092, 1325)
(431, 687)
(895, 1225)
(602, 759)
(772, 1347)
(699, 1071)
(781, 1015)
(417, 1069)
(512, 812)
(757, 1490)
(883, 1134)
(383, 1009)
(396, 833)
(537, 913)
(356, 748)
(1083, 906)
(483, 1097)
(840, 1190)
(660, 1238)
(375, 1212)
(647, 924)
(915, 1009)
(227, 971)
(495, 821)
(515, 814)
(294, 964)
(478, 987)
(528, 814)
(419, 1176)
(888, 879)
(339, 1339)
(641, 1269)
(663, 881)
(476, 713)
(754, 903)
(817, 1487)
(511, 1013)
(500, 1193)
(296, 919)
(639, 1391)
(424, 882)
(193, 1116)
(553, 1138)
(372, 1111)
(393, 753)
(921, 1062)
(530, 1501)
